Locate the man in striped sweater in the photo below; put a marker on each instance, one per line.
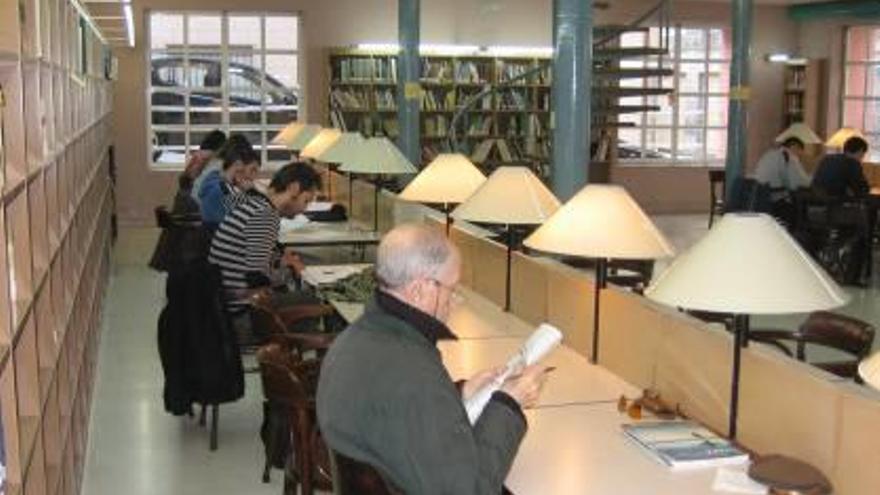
(245, 244)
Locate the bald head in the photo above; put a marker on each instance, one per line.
(410, 252)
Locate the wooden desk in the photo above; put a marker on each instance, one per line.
(580, 450)
(574, 381)
(321, 234)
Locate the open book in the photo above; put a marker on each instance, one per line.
(684, 444)
(539, 344)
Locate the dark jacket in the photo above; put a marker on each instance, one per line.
(840, 175)
(182, 240)
(198, 348)
(385, 399)
(213, 198)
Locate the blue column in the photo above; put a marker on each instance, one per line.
(737, 125)
(572, 80)
(408, 89)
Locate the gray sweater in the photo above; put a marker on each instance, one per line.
(385, 398)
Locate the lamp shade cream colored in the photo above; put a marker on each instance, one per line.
(288, 134)
(378, 156)
(450, 178)
(747, 264)
(510, 196)
(319, 144)
(304, 137)
(869, 370)
(345, 148)
(801, 131)
(842, 136)
(601, 221)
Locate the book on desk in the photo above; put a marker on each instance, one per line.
(684, 444)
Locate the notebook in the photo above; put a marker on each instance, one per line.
(684, 444)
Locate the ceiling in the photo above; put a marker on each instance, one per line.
(113, 19)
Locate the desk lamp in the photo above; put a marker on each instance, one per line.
(304, 137)
(840, 137)
(345, 148)
(747, 264)
(601, 222)
(378, 156)
(511, 196)
(869, 370)
(319, 144)
(801, 131)
(286, 136)
(449, 179)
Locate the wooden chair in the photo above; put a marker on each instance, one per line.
(717, 185)
(286, 386)
(267, 320)
(825, 329)
(351, 477)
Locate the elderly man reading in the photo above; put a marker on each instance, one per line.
(385, 398)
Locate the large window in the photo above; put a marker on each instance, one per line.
(861, 95)
(211, 70)
(691, 126)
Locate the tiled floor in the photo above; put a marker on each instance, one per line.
(137, 449)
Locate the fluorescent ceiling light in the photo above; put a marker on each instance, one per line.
(778, 58)
(129, 22)
(520, 50)
(462, 49)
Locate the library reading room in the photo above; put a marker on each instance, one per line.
(459, 247)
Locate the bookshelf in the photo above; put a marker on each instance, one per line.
(803, 94)
(55, 128)
(512, 126)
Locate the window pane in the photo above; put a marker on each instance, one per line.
(169, 147)
(854, 113)
(634, 39)
(872, 116)
(168, 106)
(253, 135)
(873, 147)
(855, 79)
(167, 70)
(691, 111)
(693, 44)
(857, 43)
(719, 78)
(716, 144)
(629, 144)
(206, 108)
(719, 44)
(873, 75)
(282, 33)
(204, 31)
(203, 71)
(166, 31)
(658, 143)
(690, 144)
(282, 70)
(244, 33)
(717, 111)
(692, 78)
(663, 117)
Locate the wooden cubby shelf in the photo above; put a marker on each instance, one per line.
(54, 228)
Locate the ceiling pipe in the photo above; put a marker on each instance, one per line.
(826, 10)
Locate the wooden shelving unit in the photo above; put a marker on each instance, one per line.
(55, 232)
(803, 99)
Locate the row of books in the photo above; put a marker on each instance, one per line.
(439, 100)
(386, 99)
(503, 150)
(473, 72)
(512, 99)
(361, 69)
(366, 124)
(351, 99)
(436, 126)
(796, 77)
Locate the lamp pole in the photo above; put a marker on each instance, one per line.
(740, 339)
(601, 283)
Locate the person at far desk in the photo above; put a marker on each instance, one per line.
(221, 189)
(780, 169)
(841, 175)
(245, 244)
(386, 400)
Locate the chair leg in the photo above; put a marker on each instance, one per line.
(215, 413)
(203, 415)
(267, 471)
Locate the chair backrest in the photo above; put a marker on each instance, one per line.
(265, 320)
(351, 477)
(280, 381)
(163, 217)
(717, 181)
(748, 195)
(837, 331)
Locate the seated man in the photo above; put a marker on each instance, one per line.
(244, 246)
(385, 398)
(781, 171)
(235, 143)
(841, 175)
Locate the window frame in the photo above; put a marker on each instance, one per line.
(675, 60)
(185, 51)
(864, 96)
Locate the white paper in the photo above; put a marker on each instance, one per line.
(294, 223)
(737, 480)
(543, 340)
(316, 206)
(328, 274)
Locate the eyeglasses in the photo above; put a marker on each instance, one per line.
(455, 295)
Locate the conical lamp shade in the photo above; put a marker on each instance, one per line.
(320, 143)
(345, 148)
(601, 221)
(869, 370)
(801, 131)
(842, 136)
(511, 196)
(286, 136)
(747, 264)
(304, 137)
(450, 178)
(379, 156)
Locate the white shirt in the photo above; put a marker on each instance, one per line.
(781, 169)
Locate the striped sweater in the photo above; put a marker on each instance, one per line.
(245, 243)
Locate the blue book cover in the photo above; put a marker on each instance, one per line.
(684, 444)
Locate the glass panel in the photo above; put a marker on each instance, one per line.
(857, 43)
(629, 143)
(875, 44)
(204, 70)
(873, 75)
(716, 144)
(854, 113)
(166, 31)
(717, 111)
(204, 31)
(206, 108)
(282, 33)
(690, 144)
(634, 39)
(693, 44)
(283, 70)
(166, 70)
(278, 153)
(663, 117)
(872, 116)
(692, 78)
(873, 147)
(168, 107)
(719, 44)
(658, 143)
(855, 79)
(244, 33)
(169, 147)
(691, 111)
(719, 78)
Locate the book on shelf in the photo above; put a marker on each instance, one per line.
(350, 99)
(390, 127)
(481, 151)
(386, 99)
(481, 125)
(683, 444)
(386, 69)
(504, 151)
(513, 70)
(436, 126)
(436, 70)
(471, 72)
